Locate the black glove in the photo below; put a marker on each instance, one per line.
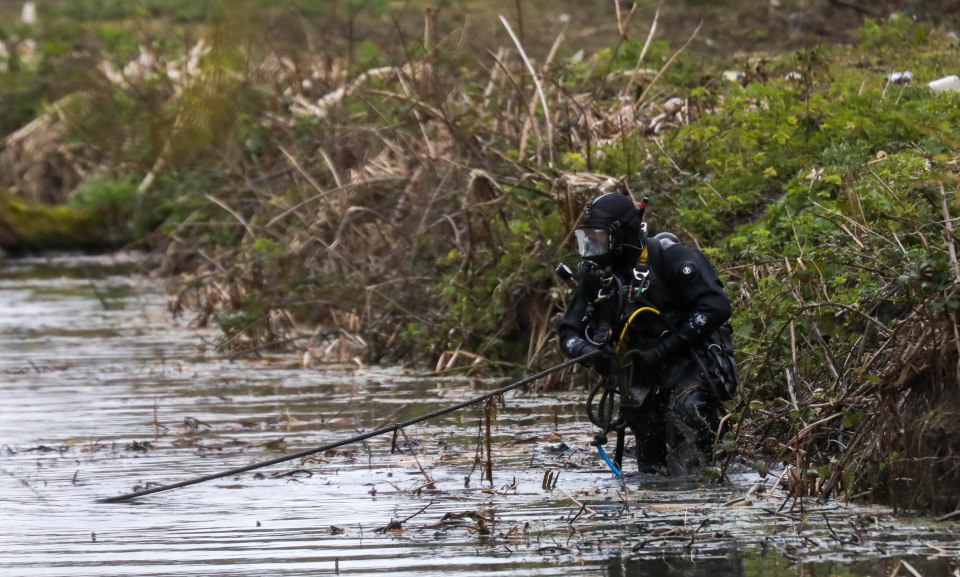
(646, 360)
(601, 362)
(651, 358)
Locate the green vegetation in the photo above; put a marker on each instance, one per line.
(119, 206)
(27, 225)
(411, 200)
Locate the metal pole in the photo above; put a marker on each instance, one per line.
(354, 439)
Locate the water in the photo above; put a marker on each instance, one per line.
(103, 393)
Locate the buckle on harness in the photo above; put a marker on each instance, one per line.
(600, 336)
(608, 288)
(641, 280)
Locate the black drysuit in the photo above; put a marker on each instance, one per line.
(684, 288)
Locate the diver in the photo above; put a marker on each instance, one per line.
(656, 313)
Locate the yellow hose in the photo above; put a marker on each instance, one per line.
(623, 333)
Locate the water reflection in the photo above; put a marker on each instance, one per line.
(102, 393)
(767, 563)
(710, 567)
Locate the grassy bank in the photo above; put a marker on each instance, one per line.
(406, 202)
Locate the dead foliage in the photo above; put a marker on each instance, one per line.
(40, 163)
(870, 410)
(403, 188)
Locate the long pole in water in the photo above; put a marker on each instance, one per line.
(354, 439)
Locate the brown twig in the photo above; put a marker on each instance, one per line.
(430, 483)
(489, 410)
(948, 236)
(667, 64)
(643, 52)
(537, 84)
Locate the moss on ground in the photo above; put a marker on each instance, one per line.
(26, 226)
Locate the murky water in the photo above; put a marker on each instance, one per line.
(102, 393)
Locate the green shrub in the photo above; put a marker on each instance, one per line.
(117, 204)
(895, 34)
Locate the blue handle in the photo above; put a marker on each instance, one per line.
(610, 464)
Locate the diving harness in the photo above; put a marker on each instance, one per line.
(602, 401)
